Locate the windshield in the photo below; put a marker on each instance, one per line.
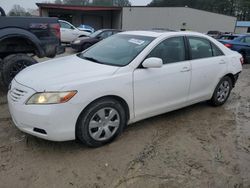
(95, 33)
(118, 50)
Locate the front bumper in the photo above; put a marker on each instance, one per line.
(77, 47)
(50, 122)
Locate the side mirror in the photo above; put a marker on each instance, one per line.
(152, 62)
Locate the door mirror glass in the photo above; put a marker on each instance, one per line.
(152, 62)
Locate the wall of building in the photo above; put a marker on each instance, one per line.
(175, 18)
(240, 30)
(96, 19)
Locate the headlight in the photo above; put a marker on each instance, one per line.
(51, 97)
(77, 41)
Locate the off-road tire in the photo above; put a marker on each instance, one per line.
(13, 64)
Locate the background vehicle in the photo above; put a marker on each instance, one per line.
(83, 43)
(122, 79)
(228, 37)
(240, 44)
(87, 28)
(70, 32)
(24, 37)
(214, 34)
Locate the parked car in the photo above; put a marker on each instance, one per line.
(240, 44)
(214, 34)
(21, 38)
(125, 78)
(87, 28)
(83, 43)
(70, 32)
(228, 36)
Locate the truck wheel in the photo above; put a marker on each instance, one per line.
(13, 64)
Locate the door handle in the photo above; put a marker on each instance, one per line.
(222, 62)
(185, 69)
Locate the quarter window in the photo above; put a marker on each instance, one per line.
(200, 48)
(170, 51)
(216, 50)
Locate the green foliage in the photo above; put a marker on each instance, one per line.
(239, 8)
(95, 2)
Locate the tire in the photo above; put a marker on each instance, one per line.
(221, 92)
(13, 64)
(108, 119)
(86, 46)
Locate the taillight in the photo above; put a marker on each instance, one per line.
(228, 45)
(55, 29)
(242, 60)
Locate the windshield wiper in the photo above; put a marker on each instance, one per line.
(92, 59)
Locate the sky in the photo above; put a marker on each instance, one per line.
(7, 4)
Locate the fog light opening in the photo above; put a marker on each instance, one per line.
(41, 131)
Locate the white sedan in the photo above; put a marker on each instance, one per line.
(70, 32)
(128, 77)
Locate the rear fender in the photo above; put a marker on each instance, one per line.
(16, 32)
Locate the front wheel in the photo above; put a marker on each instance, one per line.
(222, 91)
(101, 122)
(13, 64)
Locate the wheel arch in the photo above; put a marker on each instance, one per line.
(232, 77)
(10, 33)
(115, 97)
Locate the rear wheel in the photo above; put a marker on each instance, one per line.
(222, 91)
(13, 64)
(101, 122)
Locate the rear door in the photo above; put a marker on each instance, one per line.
(209, 64)
(158, 90)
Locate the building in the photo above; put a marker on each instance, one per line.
(242, 27)
(135, 18)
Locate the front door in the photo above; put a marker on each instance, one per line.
(158, 90)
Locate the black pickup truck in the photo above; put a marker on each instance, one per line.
(21, 38)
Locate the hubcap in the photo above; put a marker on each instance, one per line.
(223, 91)
(104, 124)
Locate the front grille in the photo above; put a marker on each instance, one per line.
(17, 94)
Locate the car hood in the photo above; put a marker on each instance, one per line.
(61, 73)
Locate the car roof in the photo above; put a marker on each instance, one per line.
(158, 33)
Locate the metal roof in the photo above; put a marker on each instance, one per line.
(243, 24)
(75, 7)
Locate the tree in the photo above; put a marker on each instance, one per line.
(239, 8)
(17, 10)
(121, 3)
(58, 2)
(95, 2)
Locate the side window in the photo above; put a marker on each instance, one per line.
(246, 40)
(216, 50)
(105, 34)
(200, 48)
(170, 51)
(65, 25)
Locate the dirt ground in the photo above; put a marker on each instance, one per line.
(199, 146)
